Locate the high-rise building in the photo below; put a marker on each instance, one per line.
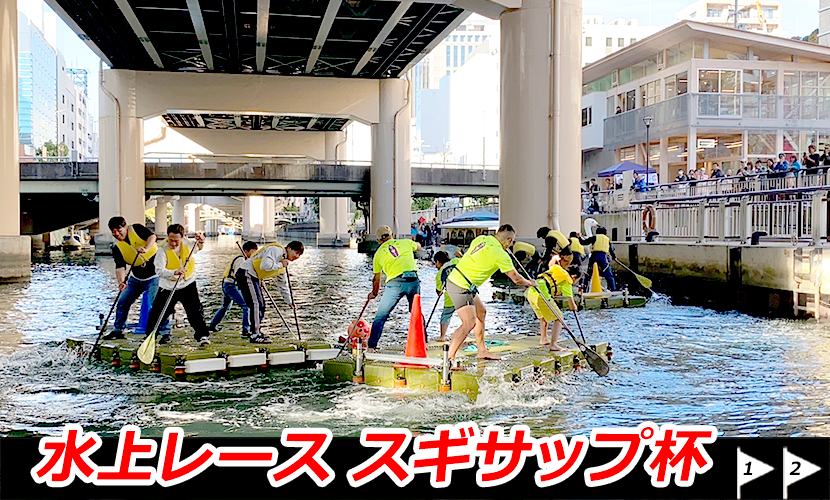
(600, 39)
(37, 87)
(824, 23)
(753, 15)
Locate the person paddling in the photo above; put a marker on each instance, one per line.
(134, 243)
(485, 255)
(445, 265)
(268, 262)
(231, 292)
(172, 255)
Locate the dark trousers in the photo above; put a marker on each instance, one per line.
(252, 292)
(601, 258)
(189, 298)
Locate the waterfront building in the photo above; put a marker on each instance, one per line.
(714, 95)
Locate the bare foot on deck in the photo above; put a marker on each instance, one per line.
(441, 339)
(558, 348)
(488, 355)
(544, 341)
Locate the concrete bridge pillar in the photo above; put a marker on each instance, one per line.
(258, 218)
(541, 89)
(334, 212)
(15, 250)
(161, 217)
(120, 168)
(179, 203)
(391, 172)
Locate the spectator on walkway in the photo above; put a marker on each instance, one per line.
(825, 158)
(717, 173)
(681, 177)
(593, 186)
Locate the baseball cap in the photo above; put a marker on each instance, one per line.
(384, 231)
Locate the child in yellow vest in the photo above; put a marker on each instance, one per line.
(554, 281)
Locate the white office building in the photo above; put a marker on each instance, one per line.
(600, 39)
(753, 15)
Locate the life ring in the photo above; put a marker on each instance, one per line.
(649, 219)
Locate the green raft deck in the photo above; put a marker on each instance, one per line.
(591, 301)
(522, 359)
(229, 354)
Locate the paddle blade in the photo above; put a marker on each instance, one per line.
(147, 349)
(644, 281)
(595, 361)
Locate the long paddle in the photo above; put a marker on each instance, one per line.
(595, 361)
(265, 289)
(147, 350)
(433, 311)
(293, 305)
(647, 283)
(346, 342)
(114, 303)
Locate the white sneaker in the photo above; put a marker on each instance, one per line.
(204, 341)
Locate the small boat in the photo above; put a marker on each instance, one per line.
(72, 242)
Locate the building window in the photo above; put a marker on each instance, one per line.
(633, 40)
(63, 99)
(587, 116)
(608, 42)
(478, 38)
(713, 13)
(455, 38)
(588, 41)
(72, 126)
(677, 84)
(455, 56)
(769, 13)
(463, 56)
(448, 55)
(72, 107)
(650, 93)
(620, 42)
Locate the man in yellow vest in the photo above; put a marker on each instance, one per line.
(485, 255)
(230, 290)
(170, 260)
(134, 243)
(602, 253)
(268, 262)
(396, 259)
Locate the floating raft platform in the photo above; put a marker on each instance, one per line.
(228, 355)
(522, 359)
(590, 301)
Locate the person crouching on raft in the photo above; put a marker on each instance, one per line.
(269, 261)
(170, 259)
(485, 255)
(231, 292)
(554, 281)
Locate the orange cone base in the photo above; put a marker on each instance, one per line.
(444, 388)
(399, 382)
(357, 380)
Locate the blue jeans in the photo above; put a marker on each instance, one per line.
(601, 258)
(395, 291)
(232, 294)
(134, 288)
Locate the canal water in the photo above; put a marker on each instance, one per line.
(684, 365)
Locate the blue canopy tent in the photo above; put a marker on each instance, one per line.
(625, 166)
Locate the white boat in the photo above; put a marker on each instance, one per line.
(72, 242)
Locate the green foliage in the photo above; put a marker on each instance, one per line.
(53, 149)
(422, 203)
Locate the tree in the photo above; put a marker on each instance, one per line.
(423, 203)
(53, 149)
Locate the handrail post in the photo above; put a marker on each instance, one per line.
(701, 221)
(819, 218)
(722, 219)
(746, 219)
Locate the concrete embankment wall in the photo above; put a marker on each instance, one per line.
(779, 281)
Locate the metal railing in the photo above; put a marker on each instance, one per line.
(797, 216)
(445, 213)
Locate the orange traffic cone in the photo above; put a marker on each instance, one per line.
(415, 344)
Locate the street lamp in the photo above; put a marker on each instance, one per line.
(647, 121)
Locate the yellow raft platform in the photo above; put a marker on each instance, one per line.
(229, 354)
(590, 301)
(522, 359)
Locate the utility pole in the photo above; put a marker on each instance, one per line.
(736, 14)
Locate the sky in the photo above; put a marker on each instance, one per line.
(800, 16)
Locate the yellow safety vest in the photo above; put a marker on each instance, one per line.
(521, 246)
(175, 261)
(560, 238)
(602, 244)
(129, 250)
(256, 260)
(577, 247)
